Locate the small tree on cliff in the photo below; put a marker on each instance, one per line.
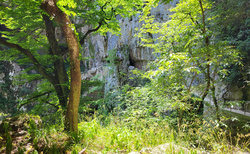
(32, 40)
(187, 50)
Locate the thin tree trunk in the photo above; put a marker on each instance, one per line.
(71, 119)
(210, 80)
(213, 93)
(207, 43)
(215, 101)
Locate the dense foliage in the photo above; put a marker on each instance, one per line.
(201, 46)
(191, 56)
(232, 25)
(30, 34)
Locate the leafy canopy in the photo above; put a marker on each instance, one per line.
(31, 47)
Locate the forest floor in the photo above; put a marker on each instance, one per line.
(27, 136)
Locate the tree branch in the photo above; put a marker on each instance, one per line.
(36, 97)
(203, 16)
(90, 31)
(31, 57)
(195, 22)
(46, 102)
(55, 106)
(100, 23)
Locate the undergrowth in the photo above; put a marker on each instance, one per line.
(122, 136)
(115, 134)
(143, 119)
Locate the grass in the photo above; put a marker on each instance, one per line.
(121, 136)
(117, 134)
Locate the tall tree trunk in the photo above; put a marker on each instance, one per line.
(71, 119)
(61, 85)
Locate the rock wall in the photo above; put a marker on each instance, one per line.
(129, 53)
(8, 92)
(10, 89)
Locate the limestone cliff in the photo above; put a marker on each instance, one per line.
(129, 54)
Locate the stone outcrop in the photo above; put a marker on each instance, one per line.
(129, 54)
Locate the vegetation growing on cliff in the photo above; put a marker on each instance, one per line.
(167, 109)
(188, 50)
(32, 41)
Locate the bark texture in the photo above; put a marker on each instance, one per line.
(71, 120)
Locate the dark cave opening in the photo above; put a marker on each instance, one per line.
(132, 62)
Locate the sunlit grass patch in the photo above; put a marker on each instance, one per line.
(121, 136)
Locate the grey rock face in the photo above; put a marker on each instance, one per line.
(129, 53)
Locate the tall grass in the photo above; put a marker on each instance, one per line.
(122, 136)
(117, 134)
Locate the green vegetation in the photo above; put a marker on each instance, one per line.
(164, 112)
(188, 49)
(118, 134)
(35, 44)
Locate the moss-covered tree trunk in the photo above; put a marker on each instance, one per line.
(71, 119)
